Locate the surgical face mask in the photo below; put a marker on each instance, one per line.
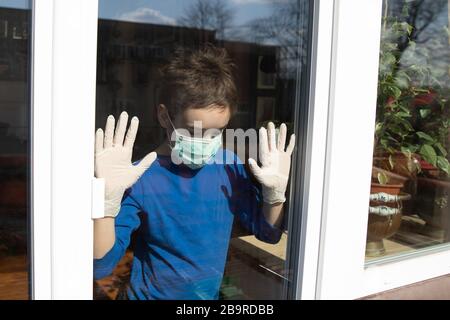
(193, 152)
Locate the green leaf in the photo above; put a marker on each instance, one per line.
(428, 153)
(421, 90)
(404, 108)
(402, 27)
(382, 178)
(397, 130)
(406, 151)
(410, 148)
(424, 136)
(378, 127)
(391, 138)
(391, 161)
(407, 125)
(441, 148)
(403, 114)
(442, 163)
(396, 92)
(402, 82)
(413, 148)
(424, 112)
(409, 28)
(391, 150)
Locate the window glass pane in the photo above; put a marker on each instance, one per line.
(14, 151)
(409, 201)
(193, 231)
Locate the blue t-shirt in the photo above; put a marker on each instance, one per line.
(184, 219)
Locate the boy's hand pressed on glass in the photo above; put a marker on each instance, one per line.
(113, 152)
(275, 163)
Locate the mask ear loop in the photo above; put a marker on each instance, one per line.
(170, 121)
(169, 139)
(175, 129)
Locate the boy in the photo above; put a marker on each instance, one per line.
(183, 197)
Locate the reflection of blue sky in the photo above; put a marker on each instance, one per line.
(20, 4)
(168, 11)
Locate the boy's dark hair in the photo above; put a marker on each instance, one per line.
(198, 79)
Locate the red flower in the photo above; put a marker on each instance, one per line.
(426, 165)
(424, 99)
(390, 101)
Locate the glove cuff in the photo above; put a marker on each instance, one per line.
(272, 196)
(112, 204)
(111, 209)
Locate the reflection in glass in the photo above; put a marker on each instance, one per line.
(409, 201)
(266, 41)
(14, 154)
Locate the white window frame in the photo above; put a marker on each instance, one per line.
(342, 272)
(64, 51)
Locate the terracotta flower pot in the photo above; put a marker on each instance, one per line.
(381, 227)
(394, 178)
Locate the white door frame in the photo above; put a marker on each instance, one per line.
(41, 159)
(63, 102)
(316, 143)
(343, 93)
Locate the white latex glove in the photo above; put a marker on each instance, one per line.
(113, 160)
(275, 163)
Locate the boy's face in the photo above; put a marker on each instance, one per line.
(214, 117)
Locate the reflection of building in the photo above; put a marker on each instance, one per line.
(14, 73)
(14, 119)
(14, 44)
(129, 55)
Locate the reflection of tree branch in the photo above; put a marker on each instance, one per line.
(431, 18)
(208, 14)
(421, 14)
(286, 28)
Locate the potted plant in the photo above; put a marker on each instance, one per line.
(412, 128)
(385, 209)
(404, 96)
